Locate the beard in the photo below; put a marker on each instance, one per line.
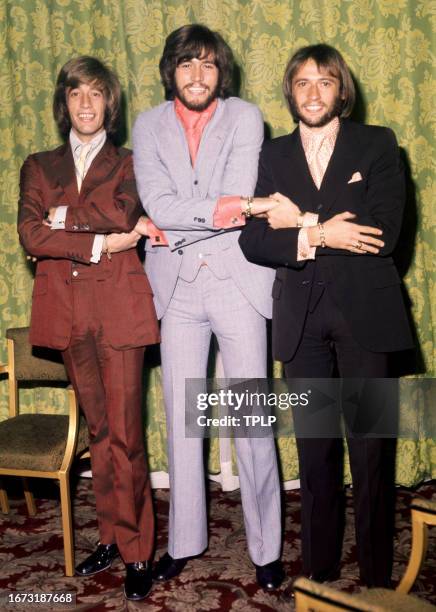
(330, 113)
(193, 105)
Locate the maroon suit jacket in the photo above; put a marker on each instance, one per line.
(108, 202)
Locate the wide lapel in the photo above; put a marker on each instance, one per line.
(173, 144)
(210, 147)
(100, 167)
(292, 176)
(66, 174)
(342, 164)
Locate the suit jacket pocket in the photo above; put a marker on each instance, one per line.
(40, 285)
(139, 282)
(276, 289)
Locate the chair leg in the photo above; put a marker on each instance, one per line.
(417, 554)
(4, 502)
(67, 524)
(28, 495)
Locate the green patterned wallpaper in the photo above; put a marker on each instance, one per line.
(389, 44)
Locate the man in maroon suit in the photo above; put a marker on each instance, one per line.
(91, 299)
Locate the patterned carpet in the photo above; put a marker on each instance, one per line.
(31, 556)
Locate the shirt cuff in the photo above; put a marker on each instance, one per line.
(59, 218)
(157, 237)
(228, 213)
(97, 247)
(310, 219)
(304, 250)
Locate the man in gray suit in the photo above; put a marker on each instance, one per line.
(194, 157)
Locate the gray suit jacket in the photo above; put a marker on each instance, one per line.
(181, 200)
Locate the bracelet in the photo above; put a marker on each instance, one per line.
(321, 235)
(300, 218)
(105, 248)
(247, 211)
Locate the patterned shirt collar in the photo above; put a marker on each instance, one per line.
(328, 132)
(95, 144)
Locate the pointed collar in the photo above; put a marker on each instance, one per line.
(194, 120)
(312, 138)
(94, 145)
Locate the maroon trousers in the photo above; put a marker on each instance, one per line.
(108, 383)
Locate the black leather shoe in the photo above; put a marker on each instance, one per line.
(270, 576)
(100, 560)
(138, 580)
(167, 567)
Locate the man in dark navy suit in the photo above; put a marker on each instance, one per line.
(338, 306)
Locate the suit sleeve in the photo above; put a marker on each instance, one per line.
(386, 195)
(189, 219)
(37, 239)
(259, 242)
(99, 217)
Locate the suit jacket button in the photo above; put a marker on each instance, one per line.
(319, 207)
(180, 252)
(305, 282)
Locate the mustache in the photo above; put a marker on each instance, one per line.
(197, 85)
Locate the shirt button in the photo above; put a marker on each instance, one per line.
(180, 252)
(75, 273)
(195, 182)
(200, 255)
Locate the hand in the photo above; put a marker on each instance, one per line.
(284, 214)
(49, 216)
(259, 206)
(340, 233)
(142, 226)
(122, 242)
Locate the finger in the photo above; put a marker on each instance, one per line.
(345, 215)
(279, 197)
(362, 247)
(370, 248)
(375, 231)
(370, 240)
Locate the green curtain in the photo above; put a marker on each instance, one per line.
(389, 45)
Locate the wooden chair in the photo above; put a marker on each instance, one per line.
(423, 514)
(40, 445)
(314, 597)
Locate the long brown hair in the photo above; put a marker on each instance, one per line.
(196, 41)
(331, 60)
(86, 69)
